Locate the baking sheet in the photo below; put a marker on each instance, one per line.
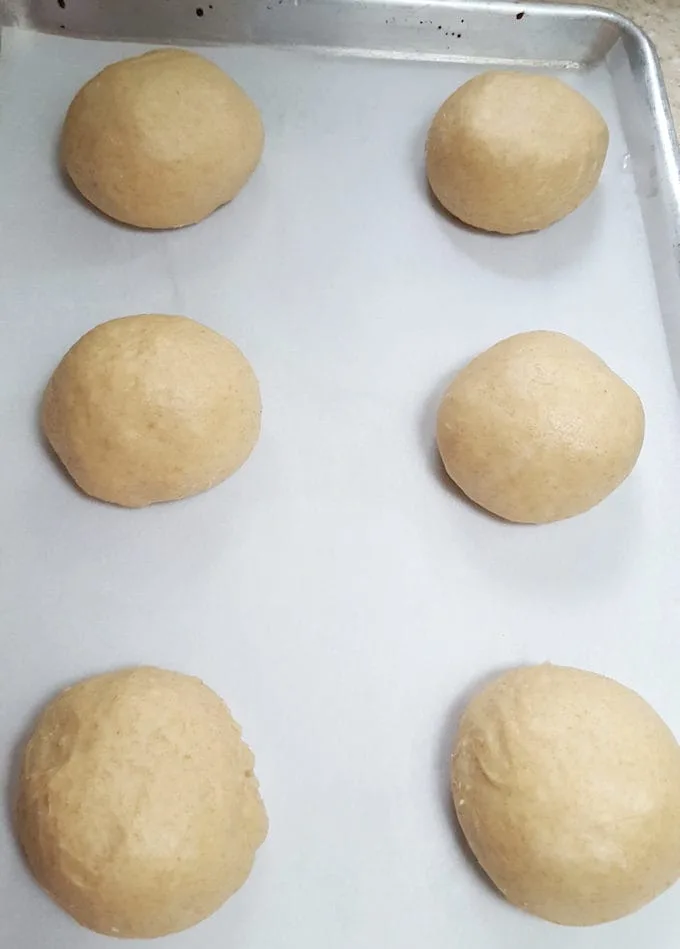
(335, 591)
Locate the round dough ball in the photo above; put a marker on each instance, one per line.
(538, 428)
(161, 140)
(567, 787)
(151, 408)
(137, 808)
(513, 152)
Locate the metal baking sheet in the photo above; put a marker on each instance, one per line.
(336, 591)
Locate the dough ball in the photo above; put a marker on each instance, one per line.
(137, 808)
(151, 408)
(161, 140)
(538, 428)
(513, 152)
(567, 788)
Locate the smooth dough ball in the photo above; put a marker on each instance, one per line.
(567, 787)
(151, 408)
(539, 428)
(137, 808)
(512, 152)
(161, 140)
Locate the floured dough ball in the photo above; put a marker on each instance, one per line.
(513, 152)
(567, 788)
(137, 808)
(539, 428)
(151, 408)
(161, 140)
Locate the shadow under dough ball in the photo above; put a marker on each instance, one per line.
(161, 140)
(512, 152)
(538, 428)
(151, 408)
(567, 787)
(137, 806)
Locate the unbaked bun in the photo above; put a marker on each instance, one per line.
(512, 152)
(151, 408)
(137, 808)
(161, 140)
(567, 788)
(538, 428)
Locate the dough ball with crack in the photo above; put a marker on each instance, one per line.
(137, 806)
(567, 787)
